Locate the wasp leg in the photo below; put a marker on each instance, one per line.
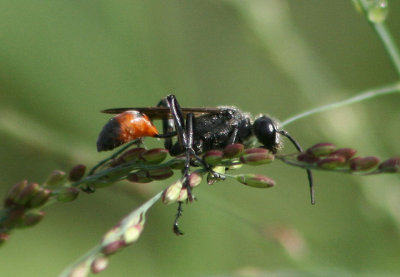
(168, 126)
(185, 136)
(185, 141)
(208, 167)
(191, 153)
(175, 227)
(177, 117)
(233, 136)
(138, 142)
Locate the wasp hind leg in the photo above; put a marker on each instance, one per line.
(184, 133)
(175, 227)
(185, 140)
(176, 125)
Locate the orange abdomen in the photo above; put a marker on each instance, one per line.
(125, 127)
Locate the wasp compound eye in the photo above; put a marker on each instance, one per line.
(265, 131)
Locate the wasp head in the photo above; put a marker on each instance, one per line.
(265, 130)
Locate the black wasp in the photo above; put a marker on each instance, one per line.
(203, 129)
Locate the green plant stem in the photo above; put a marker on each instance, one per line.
(360, 97)
(385, 36)
(115, 174)
(389, 44)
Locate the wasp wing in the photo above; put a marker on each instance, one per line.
(164, 112)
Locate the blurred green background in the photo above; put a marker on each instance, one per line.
(61, 62)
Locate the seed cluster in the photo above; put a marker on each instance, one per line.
(24, 202)
(327, 157)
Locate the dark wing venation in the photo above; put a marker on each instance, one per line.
(164, 112)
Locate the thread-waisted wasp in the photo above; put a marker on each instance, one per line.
(203, 129)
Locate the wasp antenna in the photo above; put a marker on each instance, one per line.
(311, 182)
(309, 174)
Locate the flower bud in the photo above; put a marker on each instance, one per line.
(132, 233)
(257, 156)
(113, 247)
(14, 192)
(111, 233)
(129, 156)
(160, 173)
(79, 271)
(99, 265)
(67, 194)
(233, 150)
(234, 166)
(347, 153)
(183, 195)
(331, 162)
(171, 194)
(321, 149)
(307, 158)
(195, 179)
(133, 154)
(155, 155)
(255, 150)
(255, 180)
(57, 177)
(363, 164)
(134, 229)
(40, 198)
(12, 218)
(140, 176)
(27, 193)
(213, 157)
(128, 221)
(178, 162)
(391, 165)
(77, 172)
(31, 218)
